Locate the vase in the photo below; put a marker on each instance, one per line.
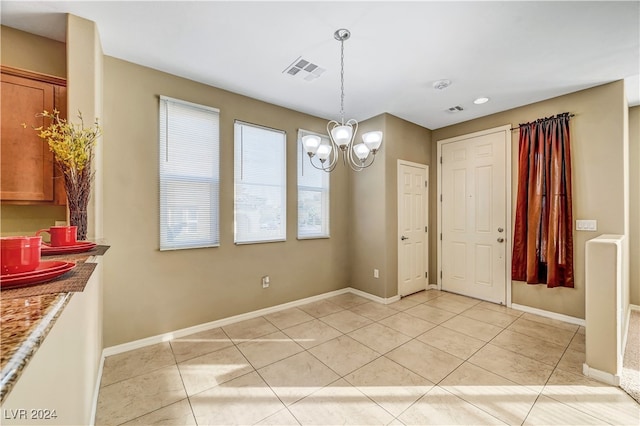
(79, 218)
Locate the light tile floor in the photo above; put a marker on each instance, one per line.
(431, 358)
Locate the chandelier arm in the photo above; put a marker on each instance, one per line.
(359, 167)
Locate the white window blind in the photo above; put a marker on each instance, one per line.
(189, 175)
(313, 195)
(260, 184)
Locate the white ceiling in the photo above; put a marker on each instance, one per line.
(515, 53)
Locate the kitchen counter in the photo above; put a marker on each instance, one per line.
(25, 323)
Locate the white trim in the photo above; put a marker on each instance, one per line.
(432, 287)
(625, 333)
(96, 391)
(189, 104)
(549, 314)
(601, 376)
(375, 298)
(506, 129)
(148, 341)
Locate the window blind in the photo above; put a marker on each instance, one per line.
(313, 194)
(260, 184)
(189, 151)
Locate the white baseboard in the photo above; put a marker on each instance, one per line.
(549, 314)
(433, 287)
(634, 307)
(369, 296)
(165, 337)
(96, 391)
(601, 376)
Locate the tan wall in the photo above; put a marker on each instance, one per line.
(597, 141)
(409, 142)
(31, 52)
(34, 53)
(84, 93)
(374, 214)
(634, 204)
(148, 292)
(368, 218)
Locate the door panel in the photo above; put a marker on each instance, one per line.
(412, 235)
(473, 216)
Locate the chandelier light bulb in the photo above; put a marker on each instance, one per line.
(361, 151)
(323, 152)
(372, 140)
(342, 135)
(311, 144)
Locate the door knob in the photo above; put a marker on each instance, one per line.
(501, 240)
(500, 229)
(404, 238)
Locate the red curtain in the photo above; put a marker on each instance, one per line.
(543, 235)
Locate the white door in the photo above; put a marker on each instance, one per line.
(412, 227)
(474, 216)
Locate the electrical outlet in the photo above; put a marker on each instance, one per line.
(586, 225)
(376, 273)
(265, 281)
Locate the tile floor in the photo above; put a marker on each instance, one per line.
(430, 358)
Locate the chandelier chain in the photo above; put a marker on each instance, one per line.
(342, 80)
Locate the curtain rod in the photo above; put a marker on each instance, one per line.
(543, 119)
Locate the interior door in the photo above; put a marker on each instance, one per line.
(473, 217)
(412, 227)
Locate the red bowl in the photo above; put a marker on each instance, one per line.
(19, 254)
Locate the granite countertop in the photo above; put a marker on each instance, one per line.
(24, 324)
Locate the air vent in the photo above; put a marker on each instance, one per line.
(456, 108)
(304, 69)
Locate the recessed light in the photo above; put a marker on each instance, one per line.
(481, 101)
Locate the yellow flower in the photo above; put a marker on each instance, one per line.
(72, 144)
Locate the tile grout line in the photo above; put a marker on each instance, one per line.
(372, 321)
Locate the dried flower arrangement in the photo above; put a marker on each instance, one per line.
(73, 149)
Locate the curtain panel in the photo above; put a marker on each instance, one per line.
(543, 234)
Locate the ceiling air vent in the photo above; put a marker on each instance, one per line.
(456, 108)
(304, 69)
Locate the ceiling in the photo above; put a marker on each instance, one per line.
(514, 53)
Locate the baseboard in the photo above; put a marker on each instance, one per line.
(369, 296)
(165, 337)
(601, 376)
(433, 287)
(634, 307)
(96, 391)
(549, 314)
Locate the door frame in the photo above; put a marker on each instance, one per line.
(506, 129)
(425, 167)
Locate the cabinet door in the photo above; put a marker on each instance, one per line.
(26, 163)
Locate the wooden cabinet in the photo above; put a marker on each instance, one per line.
(27, 171)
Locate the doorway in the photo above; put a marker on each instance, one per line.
(413, 236)
(474, 215)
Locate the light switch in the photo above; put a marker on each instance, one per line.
(586, 225)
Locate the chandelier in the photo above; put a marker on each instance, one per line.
(342, 134)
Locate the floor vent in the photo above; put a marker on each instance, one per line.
(304, 69)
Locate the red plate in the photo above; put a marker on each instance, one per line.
(37, 276)
(79, 247)
(48, 266)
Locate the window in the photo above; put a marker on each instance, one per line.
(260, 184)
(189, 175)
(313, 195)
